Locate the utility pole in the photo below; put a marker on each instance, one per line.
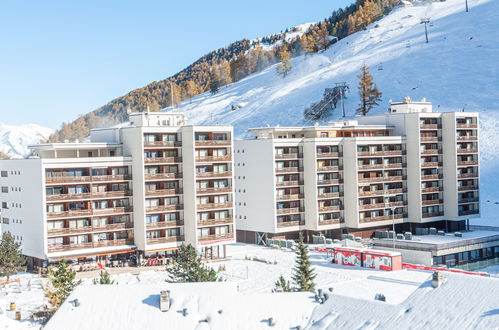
(425, 21)
(343, 87)
(466, 5)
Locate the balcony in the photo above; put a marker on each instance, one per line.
(467, 138)
(433, 215)
(381, 153)
(330, 208)
(164, 192)
(213, 190)
(329, 168)
(431, 151)
(294, 223)
(201, 143)
(288, 183)
(89, 245)
(289, 210)
(214, 222)
(431, 164)
(162, 160)
(160, 240)
(216, 237)
(211, 206)
(169, 144)
(431, 177)
(468, 200)
(432, 202)
(467, 151)
(465, 188)
(162, 176)
(226, 174)
(382, 179)
(431, 189)
(288, 169)
(89, 229)
(164, 224)
(430, 126)
(209, 159)
(288, 156)
(330, 182)
(331, 221)
(468, 212)
(330, 195)
(164, 208)
(383, 218)
(467, 162)
(289, 197)
(372, 206)
(329, 154)
(80, 179)
(467, 175)
(89, 212)
(431, 138)
(464, 125)
(92, 195)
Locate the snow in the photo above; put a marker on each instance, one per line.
(14, 140)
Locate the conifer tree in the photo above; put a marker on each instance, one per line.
(368, 92)
(303, 273)
(62, 282)
(281, 285)
(188, 267)
(104, 278)
(214, 82)
(285, 58)
(11, 257)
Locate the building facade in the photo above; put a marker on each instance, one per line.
(408, 168)
(139, 189)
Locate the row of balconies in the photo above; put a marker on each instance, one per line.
(432, 202)
(213, 190)
(467, 175)
(431, 189)
(288, 183)
(329, 168)
(330, 208)
(163, 208)
(390, 153)
(381, 205)
(160, 176)
(89, 195)
(329, 182)
(467, 162)
(163, 160)
(288, 156)
(329, 154)
(467, 151)
(468, 212)
(200, 143)
(381, 166)
(88, 178)
(430, 126)
(208, 159)
(89, 212)
(225, 174)
(431, 151)
(468, 200)
(214, 222)
(288, 169)
(383, 218)
(168, 239)
(89, 245)
(290, 210)
(431, 177)
(465, 125)
(431, 138)
(467, 138)
(164, 224)
(169, 144)
(331, 194)
(382, 192)
(331, 221)
(468, 187)
(89, 229)
(433, 214)
(209, 206)
(293, 223)
(289, 197)
(164, 192)
(382, 179)
(216, 237)
(431, 164)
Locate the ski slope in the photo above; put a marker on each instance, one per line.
(14, 140)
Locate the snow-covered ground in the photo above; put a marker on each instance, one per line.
(14, 140)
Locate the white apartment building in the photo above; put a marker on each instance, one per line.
(144, 188)
(408, 168)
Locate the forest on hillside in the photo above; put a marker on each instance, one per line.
(227, 65)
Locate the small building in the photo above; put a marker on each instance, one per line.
(469, 250)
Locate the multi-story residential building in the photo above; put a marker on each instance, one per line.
(410, 167)
(143, 188)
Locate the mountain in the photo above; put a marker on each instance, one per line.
(14, 140)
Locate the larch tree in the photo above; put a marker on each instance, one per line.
(285, 58)
(11, 257)
(368, 92)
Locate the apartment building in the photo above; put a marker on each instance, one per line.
(146, 187)
(410, 167)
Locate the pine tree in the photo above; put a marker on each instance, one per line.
(285, 58)
(303, 273)
(104, 278)
(62, 282)
(281, 285)
(214, 82)
(368, 92)
(188, 267)
(11, 257)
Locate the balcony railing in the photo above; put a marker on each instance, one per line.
(331, 221)
(162, 143)
(289, 197)
(215, 237)
(467, 138)
(89, 212)
(288, 156)
(213, 190)
(383, 218)
(226, 174)
(469, 212)
(164, 192)
(431, 138)
(432, 202)
(213, 142)
(89, 245)
(381, 166)
(89, 229)
(288, 169)
(90, 195)
(433, 215)
(431, 151)
(431, 189)
(162, 160)
(164, 224)
(372, 153)
(161, 208)
(382, 192)
(282, 224)
(468, 200)
(214, 222)
(469, 187)
(289, 210)
(329, 154)
(372, 206)
(458, 125)
(467, 151)
(431, 177)
(162, 176)
(330, 208)
(431, 164)
(430, 126)
(329, 168)
(330, 182)
(210, 206)
(330, 195)
(467, 175)
(467, 162)
(288, 183)
(382, 179)
(208, 159)
(159, 240)
(89, 178)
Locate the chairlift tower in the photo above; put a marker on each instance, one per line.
(342, 87)
(425, 21)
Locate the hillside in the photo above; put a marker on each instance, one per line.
(14, 140)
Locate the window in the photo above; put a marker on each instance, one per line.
(4, 174)
(5, 189)
(4, 205)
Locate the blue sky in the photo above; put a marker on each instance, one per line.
(59, 59)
